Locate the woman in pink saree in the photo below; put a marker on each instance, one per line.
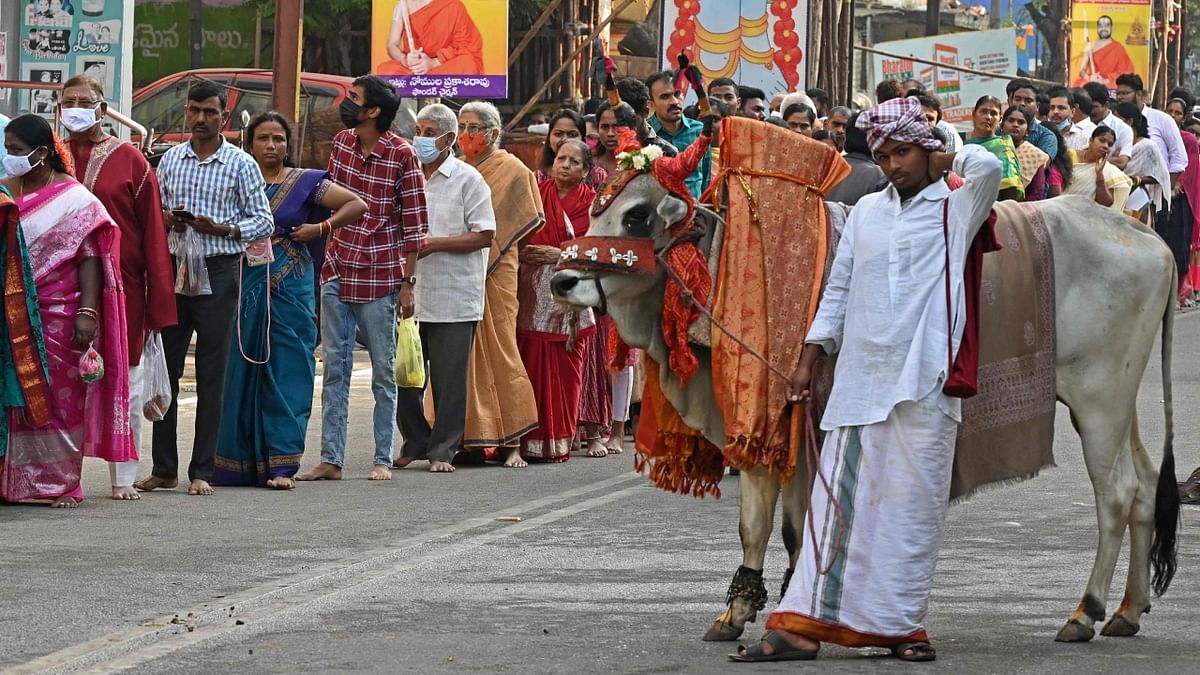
(73, 255)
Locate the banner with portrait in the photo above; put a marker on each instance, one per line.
(1109, 39)
(430, 48)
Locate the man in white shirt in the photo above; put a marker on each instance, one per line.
(1163, 130)
(891, 430)
(1101, 115)
(1065, 115)
(450, 276)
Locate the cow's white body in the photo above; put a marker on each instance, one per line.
(1114, 287)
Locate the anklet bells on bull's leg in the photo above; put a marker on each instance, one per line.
(747, 587)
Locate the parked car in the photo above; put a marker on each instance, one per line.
(159, 107)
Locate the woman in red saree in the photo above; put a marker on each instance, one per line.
(73, 255)
(551, 336)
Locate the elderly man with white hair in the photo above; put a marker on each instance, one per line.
(451, 271)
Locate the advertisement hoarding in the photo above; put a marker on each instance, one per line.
(993, 51)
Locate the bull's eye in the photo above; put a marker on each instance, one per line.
(636, 221)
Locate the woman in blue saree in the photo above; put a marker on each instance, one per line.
(269, 380)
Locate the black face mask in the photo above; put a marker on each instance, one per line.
(350, 111)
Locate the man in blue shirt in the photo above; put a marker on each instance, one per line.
(215, 200)
(1024, 94)
(669, 122)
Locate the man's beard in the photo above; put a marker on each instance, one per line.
(1104, 34)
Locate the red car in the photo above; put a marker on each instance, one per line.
(159, 107)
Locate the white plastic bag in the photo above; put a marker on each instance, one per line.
(191, 278)
(156, 383)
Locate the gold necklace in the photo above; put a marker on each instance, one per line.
(275, 179)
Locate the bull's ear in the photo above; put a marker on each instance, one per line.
(671, 209)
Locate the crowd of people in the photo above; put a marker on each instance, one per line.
(447, 228)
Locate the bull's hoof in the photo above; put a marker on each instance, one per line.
(1074, 631)
(1119, 626)
(723, 631)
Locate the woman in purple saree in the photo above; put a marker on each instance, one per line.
(269, 380)
(74, 259)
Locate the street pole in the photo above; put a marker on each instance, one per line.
(933, 16)
(195, 34)
(289, 29)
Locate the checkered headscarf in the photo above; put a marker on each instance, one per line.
(900, 119)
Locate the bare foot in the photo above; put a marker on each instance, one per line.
(153, 483)
(514, 461)
(322, 471)
(441, 467)
(401, 462)
(380, 472)
(200, 488)
(282, 483)
(64, 502)
(596, 448)
(125, 493)
(615, 446)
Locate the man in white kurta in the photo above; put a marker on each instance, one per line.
(865, 579)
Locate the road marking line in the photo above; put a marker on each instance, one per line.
(129, 647)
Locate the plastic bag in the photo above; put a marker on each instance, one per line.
(91, 366)
(156, 383)
(410, 362)
(191, 278)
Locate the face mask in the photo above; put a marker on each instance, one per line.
(427, 149)
(473, 145)
(1065, 124)
(18, 165)
(79, 120)
(350, 111)
(594, 144)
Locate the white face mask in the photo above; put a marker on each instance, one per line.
(79, 120)
(18, 165)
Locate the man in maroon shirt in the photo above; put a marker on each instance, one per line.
(120, 177)
(364, 276)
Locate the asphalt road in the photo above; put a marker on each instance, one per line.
(578, 568)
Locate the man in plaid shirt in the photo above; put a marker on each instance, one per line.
(364, 277)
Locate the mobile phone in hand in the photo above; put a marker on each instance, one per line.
(182, 214)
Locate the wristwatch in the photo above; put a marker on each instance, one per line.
(410, 280)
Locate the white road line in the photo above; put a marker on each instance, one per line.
(358, 373)
(130, 647)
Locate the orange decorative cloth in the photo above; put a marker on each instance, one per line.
(769, 280)
(674, 456)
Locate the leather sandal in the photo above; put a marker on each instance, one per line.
(783, 651)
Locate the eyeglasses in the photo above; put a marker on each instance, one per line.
(472, 129)
(79, 103)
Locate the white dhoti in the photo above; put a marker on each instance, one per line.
(878, 548)
(123, 474)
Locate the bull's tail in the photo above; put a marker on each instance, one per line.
(1166, 498)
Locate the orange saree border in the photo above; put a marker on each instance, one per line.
(26, 358)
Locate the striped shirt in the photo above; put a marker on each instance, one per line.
(367, 256)
(227, 187)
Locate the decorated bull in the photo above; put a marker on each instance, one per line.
(1068, 311)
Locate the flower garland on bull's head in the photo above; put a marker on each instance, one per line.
(684, 258)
